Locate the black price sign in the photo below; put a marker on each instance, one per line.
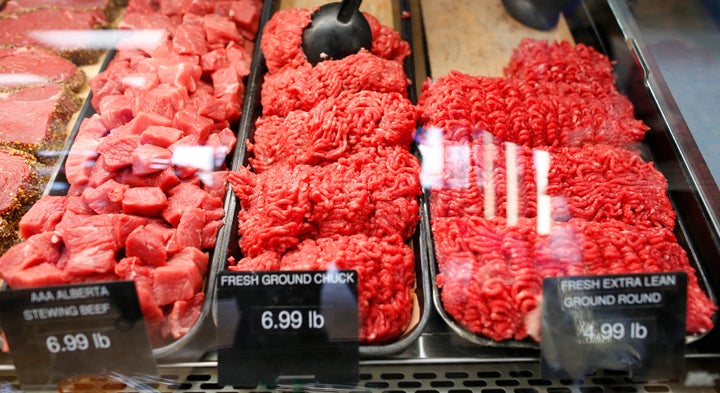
(63, 331)
(280, 325)
(634, 323)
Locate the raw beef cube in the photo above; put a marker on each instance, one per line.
(246, 13)
(210, 232)
(105, 198)
(191, 255)
(184, 315)
(99, 173)
(189, 40)
(83, 153)
(34, 65)
(176, 282)
(133, 268)
(147, 245)
(148, 159)
(206, 105)
(150, 308)
(215, 183)
(165, 179)
(223, 142)
(90, 244)
(161, 136)
(43, 215)
(239, 59)
(117, 150)
(183, 197)
(33, 251)
(183, 74)
(35, 115)
(219, 30)
(214, 60)
(144, 201)
(194, 124)
(190, 229)
(123, 225)
(133, 20)
(143, 120)
(115, 110)
(164, 100)
(40, 275)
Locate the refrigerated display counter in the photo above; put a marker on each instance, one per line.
(665, 57)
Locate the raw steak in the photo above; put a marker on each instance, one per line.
(23, 66)
(35, 116)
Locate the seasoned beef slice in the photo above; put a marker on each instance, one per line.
(45, 27)
(22, 66)
(20, 183)
(35, 116)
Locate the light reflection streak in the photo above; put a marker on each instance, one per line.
(99, 39)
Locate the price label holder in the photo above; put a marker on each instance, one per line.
(297, 327)
(65, 331)
(633, 323)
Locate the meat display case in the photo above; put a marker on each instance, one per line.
(666, 61)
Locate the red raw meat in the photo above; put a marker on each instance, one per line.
(44, 215)
(184, 315)
(491, 273)
(333, 129)
(106, 198)
(176, 282)
(560, 61)
(373, 192)
(35, 115)
(291, 89)
(147, 159)
(34, 251)
(529, 113)
(33, 65)
(163, 100)
(189, 40)
(83, 153)
(597, 183)
(282, 37)
(161, 136)
(117, 150)
(144, 201)
(194, 124)
(20, 183)
(115, 110)
(108, 7)
(191, 255)
(385, 277)
(44, 274)
(44, 27)
(220, 30)
(148, 245)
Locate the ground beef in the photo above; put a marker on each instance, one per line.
(373, 192)
(333, 129)
(491, 273)
(538, 60)
(386, 263)
(596, 183)
(490, 187)
(529, 113)
(331, 179)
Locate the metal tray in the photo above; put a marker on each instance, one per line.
(197, 342)
(418, 241)
(607, 26)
